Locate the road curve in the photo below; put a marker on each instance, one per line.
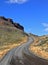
(22, 56)
(16, 52)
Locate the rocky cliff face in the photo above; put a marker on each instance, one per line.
(9, 22)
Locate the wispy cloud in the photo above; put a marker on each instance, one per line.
(45, 26)
(46, 29)
(16, 1)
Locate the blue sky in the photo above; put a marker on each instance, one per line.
(32, 14)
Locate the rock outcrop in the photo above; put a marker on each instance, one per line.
(9, 22)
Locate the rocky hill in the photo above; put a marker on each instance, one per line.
(9, 22)
(11, 35)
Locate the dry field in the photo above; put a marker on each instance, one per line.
(40, 47)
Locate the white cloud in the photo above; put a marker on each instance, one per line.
(16, 1)
(45, 26)
(46, 29)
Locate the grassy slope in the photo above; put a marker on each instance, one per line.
(40, 46)
(9, 38)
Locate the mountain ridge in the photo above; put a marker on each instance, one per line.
(9, 22)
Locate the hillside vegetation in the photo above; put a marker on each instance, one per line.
(40, 47)
(10, 36)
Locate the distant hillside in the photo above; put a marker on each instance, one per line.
(11, 35)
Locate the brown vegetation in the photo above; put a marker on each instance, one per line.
(40, 47)
(5, 48)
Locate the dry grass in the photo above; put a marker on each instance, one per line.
(40, 47)
(5, 48)
(10, 37)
